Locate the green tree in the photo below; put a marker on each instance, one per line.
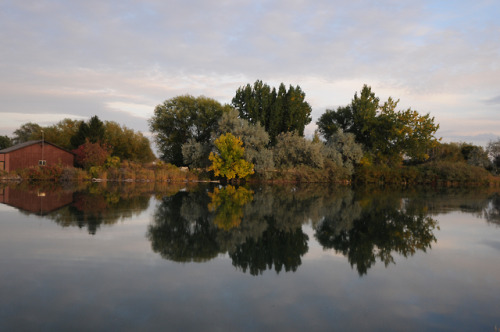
(182, 118)
(228, 161)
(93, 131)
(127, 144)
(358, 118)
(5, 142)
(62, 132)
(27, 132)
(387, 135)
(278, 111)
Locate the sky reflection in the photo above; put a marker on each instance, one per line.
(63, 278)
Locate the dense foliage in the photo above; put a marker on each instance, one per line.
(278, 111)
(28, 131)
(91, 154)
(119, 141)
(5, 142)
(228, 160)
(367, 140)
(127, 144)
(181, 119)
(93, 132)
(388, 136)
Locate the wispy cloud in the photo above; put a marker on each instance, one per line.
(80, 57)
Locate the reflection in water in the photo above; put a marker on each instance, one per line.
(196, 226)
(281, 248)
(382, 227)
(182, 230)
(36, 200)
(227, 202)
(261, 228)
(492, 211)
(87, 206)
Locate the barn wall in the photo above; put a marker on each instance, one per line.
(31, 155)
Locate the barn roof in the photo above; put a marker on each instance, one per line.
(28, 143)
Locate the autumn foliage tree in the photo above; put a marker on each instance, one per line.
(228, 161)
(91, 154)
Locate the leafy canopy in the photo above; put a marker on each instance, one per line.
(93, 131)
(182, 118)
(387, 135)
(228, 160)
(278, 111)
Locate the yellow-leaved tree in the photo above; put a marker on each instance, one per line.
(228, 160)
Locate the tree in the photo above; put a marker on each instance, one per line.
(5, 142)
(387, 135)
(476, 155)
(342, 147)
(62, 132)
(357, 118)
(182, 118)
(493, 150)
(254, 137)
(278, 111)
(27, 132)
(228, 161)
(93, 131)
(291, 150)
(126, 143)
(91, 154)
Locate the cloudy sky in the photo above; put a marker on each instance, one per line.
(119, 59)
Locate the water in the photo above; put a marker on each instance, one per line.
(185, 257)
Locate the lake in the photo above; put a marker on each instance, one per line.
(185, 257)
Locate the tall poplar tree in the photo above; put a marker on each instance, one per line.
(277, 111)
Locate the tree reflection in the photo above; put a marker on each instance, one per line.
(383, 226)
(228, 204)
(100, 204)
(281, 248)
(492, 211)
(197, 226)
(182, 230)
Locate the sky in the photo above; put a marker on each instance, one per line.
(118, 59)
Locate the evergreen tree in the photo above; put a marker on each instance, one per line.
(93, 131)
(282, 111)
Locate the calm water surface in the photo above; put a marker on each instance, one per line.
(178, 257)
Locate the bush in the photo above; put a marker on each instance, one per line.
(42, 173)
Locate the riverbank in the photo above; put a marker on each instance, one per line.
(436, 174)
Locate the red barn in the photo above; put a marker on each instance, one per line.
(34, 153)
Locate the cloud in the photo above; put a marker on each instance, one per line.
(493, 101)
(84, 56)
(137, 110)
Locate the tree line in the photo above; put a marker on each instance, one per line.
(92, 141)
(261, 132)
(266, 127)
